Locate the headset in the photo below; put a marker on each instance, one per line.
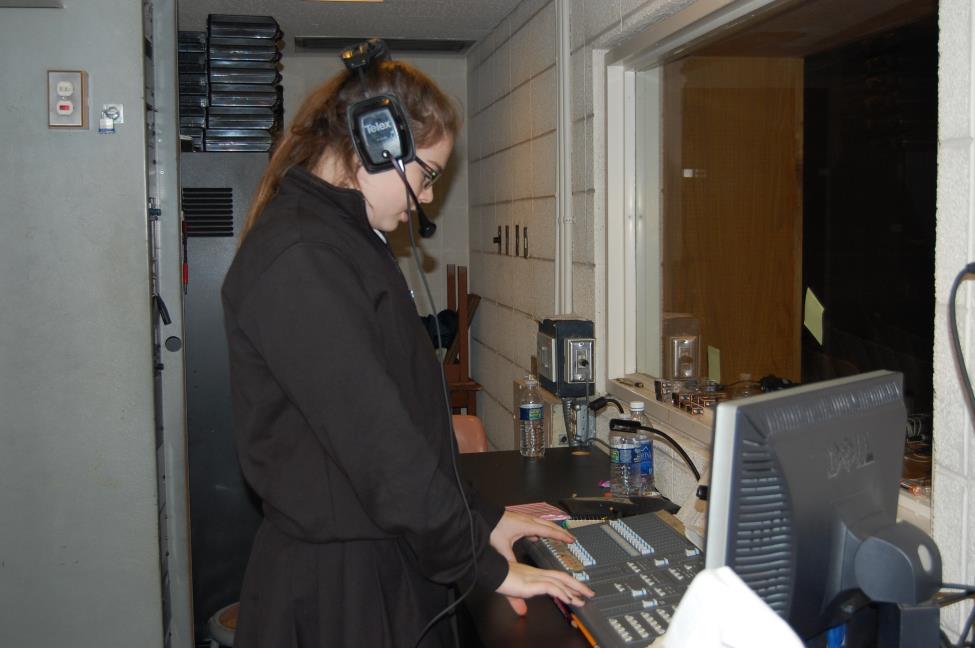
(379, 126)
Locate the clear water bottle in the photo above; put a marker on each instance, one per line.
(645, 439)
(624, 464)
(531, 417)
(745, 387)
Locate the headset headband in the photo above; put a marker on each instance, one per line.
(361, 55)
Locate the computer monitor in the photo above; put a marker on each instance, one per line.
(803, 501)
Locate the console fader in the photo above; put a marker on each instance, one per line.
(639, 568)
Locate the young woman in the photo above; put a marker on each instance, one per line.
(342, 427)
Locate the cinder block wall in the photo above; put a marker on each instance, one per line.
(512, 177)
(953, 514)
(512, 99)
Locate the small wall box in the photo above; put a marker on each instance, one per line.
(67, 99)
(566, 348)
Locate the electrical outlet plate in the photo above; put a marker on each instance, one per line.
(67, 99)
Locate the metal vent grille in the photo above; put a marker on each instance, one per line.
(395, 44)
(764, 543)
(208, 211)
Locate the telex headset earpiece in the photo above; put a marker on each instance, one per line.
(378, 124)
(380, 131)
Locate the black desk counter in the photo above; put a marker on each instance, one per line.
(508, 478)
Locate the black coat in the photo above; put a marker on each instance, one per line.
(342, 432)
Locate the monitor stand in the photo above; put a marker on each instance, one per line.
(890, 625)
(908, 626)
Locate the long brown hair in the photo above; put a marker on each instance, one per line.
(319, 126)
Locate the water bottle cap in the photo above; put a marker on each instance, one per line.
(531, 381)
(637, 406)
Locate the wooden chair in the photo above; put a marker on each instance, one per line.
(457, 367)
(470, 433)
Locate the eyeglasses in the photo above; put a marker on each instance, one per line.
(430, 175)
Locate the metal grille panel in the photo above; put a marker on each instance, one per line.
(208, 211)
(764, 542)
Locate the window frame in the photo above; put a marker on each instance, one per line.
(632, 77)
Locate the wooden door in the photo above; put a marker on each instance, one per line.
(732, 222)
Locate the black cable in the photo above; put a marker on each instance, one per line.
(945, 642)
(627, 425)
(956, 343)
(965, 630)
(968, 589)
(601, 402)
(398, 165)
(950, 599)
(590, 392)
(676, 446)
(965, 593)
(945, 600)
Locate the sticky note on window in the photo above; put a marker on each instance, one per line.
(813, 316)
(714, 364)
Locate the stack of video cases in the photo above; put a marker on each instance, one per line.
(245, 98)
(193, 88)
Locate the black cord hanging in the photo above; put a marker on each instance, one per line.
(955, 341)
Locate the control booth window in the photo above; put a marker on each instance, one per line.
(783, 198)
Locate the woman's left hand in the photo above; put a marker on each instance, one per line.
(515, 526)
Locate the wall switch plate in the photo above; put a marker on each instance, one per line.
(580, 356)
(67, 99)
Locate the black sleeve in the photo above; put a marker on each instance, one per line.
(315, 326)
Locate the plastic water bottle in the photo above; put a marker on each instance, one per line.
(745, 387)
(644, 438)
(531, 416)
(624, 464)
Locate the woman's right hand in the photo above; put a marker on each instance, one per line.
(524, 581)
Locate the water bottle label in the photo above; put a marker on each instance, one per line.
(646, 458)
(531, 411)
(624, 456)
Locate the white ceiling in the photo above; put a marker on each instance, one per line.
(423, 19)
